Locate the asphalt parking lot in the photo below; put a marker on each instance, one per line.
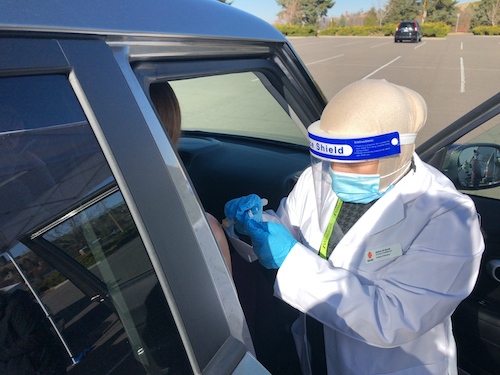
(453, 74)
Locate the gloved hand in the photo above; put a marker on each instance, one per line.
(238, 210)
(271, 242)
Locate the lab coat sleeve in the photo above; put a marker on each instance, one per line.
(403, 300)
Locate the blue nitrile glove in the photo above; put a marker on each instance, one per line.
(242, 209)
(271, 242)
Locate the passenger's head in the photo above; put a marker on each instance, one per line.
(168, 109)
(370, 108)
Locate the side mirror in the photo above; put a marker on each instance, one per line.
(473, 166)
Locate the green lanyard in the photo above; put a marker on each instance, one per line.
(324, 244)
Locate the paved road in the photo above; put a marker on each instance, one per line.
(454, 74)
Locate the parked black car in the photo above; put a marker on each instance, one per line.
(408, 30)
(103, 220)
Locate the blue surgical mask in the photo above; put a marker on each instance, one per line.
(356, 188)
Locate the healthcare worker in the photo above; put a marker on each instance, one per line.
(373, 243)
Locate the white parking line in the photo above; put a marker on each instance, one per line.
(462, 45)
(305, 44)
(315, 62)
(382, 67)
(322, 42)
(462, 75)
(347, 44)
(378, 45)
(420, 45)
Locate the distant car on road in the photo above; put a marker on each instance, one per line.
(408, 30)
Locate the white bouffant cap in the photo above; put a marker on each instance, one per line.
(374, 107)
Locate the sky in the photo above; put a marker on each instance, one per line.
(268, 9)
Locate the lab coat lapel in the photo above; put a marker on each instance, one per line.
(385, 213)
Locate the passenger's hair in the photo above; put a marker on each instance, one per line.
(168, 109)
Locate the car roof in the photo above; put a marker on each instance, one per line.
(111, 18)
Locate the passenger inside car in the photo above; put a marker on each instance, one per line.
(26, 344)
(168, 109)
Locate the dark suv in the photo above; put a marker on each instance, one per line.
(408, 30)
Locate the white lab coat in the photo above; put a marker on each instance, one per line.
(390, 316)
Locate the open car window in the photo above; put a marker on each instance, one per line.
(236, 104)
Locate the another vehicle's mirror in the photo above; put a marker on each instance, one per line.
(473, 166)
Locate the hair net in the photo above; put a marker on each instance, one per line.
(374, 107)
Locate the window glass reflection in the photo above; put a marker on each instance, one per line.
(67, 239)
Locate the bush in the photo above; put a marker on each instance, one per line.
(330, 31)
(292, 30)
(346, 31)
(389, 29)
(436, 29)
(486, 30)
(53, 280)
(385, 30)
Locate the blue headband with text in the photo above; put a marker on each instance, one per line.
(324, 147)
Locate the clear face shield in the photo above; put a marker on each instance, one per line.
(325, 149)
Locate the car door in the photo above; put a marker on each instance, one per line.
(245, 111)
(102, 226)
(467, 152)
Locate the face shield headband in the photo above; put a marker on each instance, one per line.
(324, 146)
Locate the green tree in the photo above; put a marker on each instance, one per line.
(342, 21)
(310, 10)
(402, 10)
(371, 17)
(486, 13)
(442, 11)
(493, 11)
(478, 15)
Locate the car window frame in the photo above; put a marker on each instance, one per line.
(272, 77)
(107, 102)
(203, 334)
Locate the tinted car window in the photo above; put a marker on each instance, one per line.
(84, 331)
(238, 104)
(67, 233)
(100, 230)
(407, 25)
